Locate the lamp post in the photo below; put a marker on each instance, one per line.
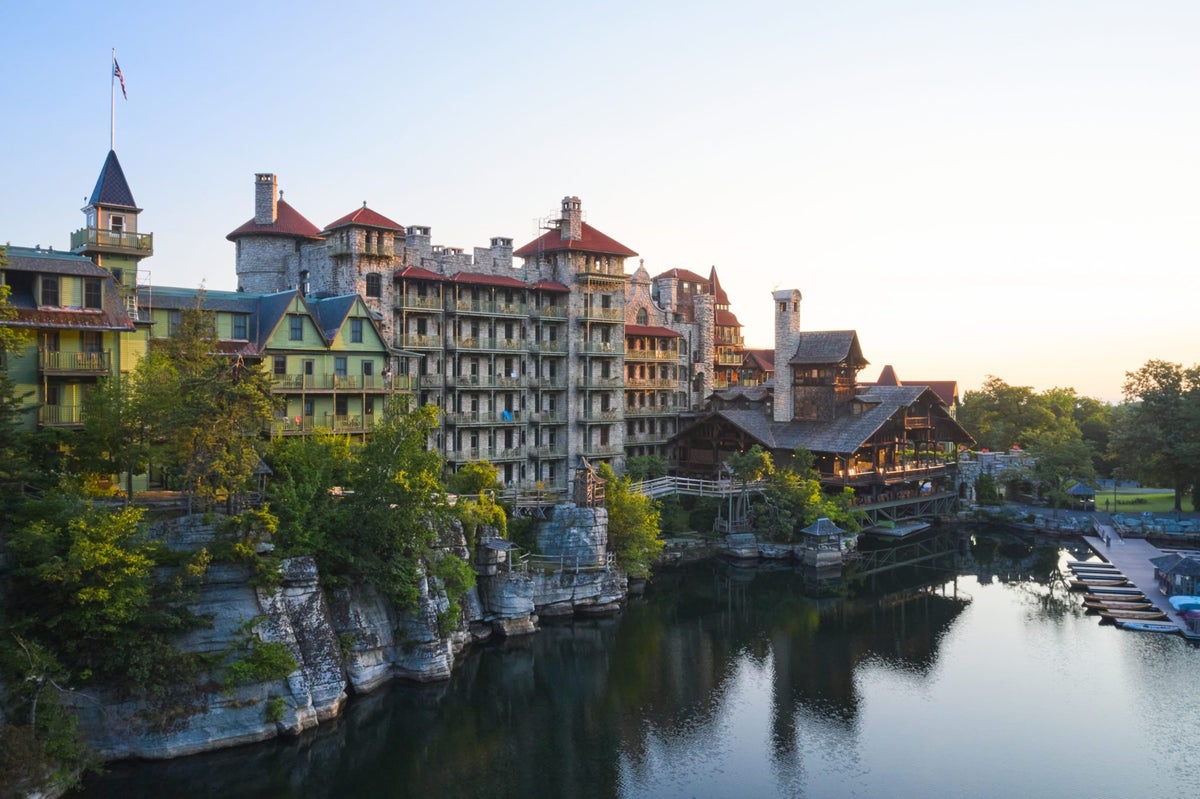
(1116, 479)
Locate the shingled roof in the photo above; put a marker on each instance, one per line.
(826, 347)
(365, 217)
(34, 261)
(591, 240)
(843, 435)
(111, 187)
(288, 223)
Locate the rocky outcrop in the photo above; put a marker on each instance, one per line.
(351, 639)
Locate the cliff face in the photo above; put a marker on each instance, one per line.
(349, 640)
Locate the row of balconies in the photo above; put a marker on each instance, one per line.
(492, 454)
(484, 417)
(652, 410)
(647, 438)
(336, 423)
(412, 302)
(652, 355)
(491, 382)
(725, 358)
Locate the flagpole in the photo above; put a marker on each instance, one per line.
(112, 101)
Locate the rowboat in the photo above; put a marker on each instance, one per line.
(1145, 615)
(1118, 590)
(1071, 564)
(1182, 602)
(1099, 583)
(1092, 567)
(1146, 626)
(1096, 605)
(1082, 572)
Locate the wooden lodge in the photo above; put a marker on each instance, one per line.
(892, 444)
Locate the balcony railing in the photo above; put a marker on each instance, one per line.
(548, 417)
(652, 410)
(416, 303)
(60, 362)
(548, 311)
(729, 359)
(138, 243)
(60, 415)
(420, 341)
(368, 383)
(491, 308)
(604, 314)
(610, 415)
(601, 348)
(651, 382)
(477, 343)
(483, 381)
(602, 450)
(555, 346)
(484, 417)
(550, 451)
(652, 355)
(538, 381)
(646, 438)
(598, 383)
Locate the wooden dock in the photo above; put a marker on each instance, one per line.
(1132, 558)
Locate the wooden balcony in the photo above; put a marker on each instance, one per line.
(725, 358)
(75, 363)
(369, 384)
(669, 356)
(60, 416)
(485, 418)
(650, 382)
(411, 302)
(420, 341)
(548, 311)
(601, 348)
(610, 415)
(652, 410)
(491, 308)
(112, 241)
(599, 383)
(603, 314)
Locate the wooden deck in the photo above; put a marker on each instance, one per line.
(1132, 558)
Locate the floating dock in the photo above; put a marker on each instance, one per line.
(1132, 556)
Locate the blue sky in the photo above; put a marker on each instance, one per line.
(977, 188)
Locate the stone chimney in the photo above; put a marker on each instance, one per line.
(571, 225)
(787, 341)
(266, 210)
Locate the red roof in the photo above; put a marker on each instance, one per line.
(592, 240)
(365, 217)
(417, 273)
(764, 358)
(888, 377)
(651, 330)
(550, 285)
(727, 318)
(476, 278)
(288, 222)
(681, 274)
(714, 286)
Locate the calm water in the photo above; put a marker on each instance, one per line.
(985, 681)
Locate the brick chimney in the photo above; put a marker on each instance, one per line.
(571, 226)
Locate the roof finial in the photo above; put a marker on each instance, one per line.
(281, 194)
(364, 203)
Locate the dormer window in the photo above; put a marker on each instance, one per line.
(92, 293)
(50, 290)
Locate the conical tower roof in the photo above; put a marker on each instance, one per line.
(111, 187)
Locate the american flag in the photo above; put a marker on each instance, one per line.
(117, 74)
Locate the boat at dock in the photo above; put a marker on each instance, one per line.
(1089, 564)
(1096, 605)
(1146, 626)
(1183, 603)
(1146, 615)
(1114, 591)
(1095, 571)
(1080, 584)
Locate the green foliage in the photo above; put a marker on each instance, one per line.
(274, 709)
(476, 514)
(674, 517)
(456, 578)
(239, 539)
(634, 533)
(703, 513)
(645, 467)
(394, 505)
(83, 586)
(1156, 436)
(474, 478)
(12, 339)
(258, 661)
(752, 465)
(985, 490)
(794, 500)
(521, 532)
(301, 490)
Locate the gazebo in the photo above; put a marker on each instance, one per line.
(1085, 494)
(822, 544)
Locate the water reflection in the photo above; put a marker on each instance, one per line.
(722, 682)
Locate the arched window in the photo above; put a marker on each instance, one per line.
(374, 285)
(641, 316)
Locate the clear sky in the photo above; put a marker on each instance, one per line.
(1007, 188)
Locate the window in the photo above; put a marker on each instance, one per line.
(642, 317)
(174, 320)
(49, 290)
(304, 282)
(279, 364)
(368, 368)
(91, 293)
(341, 405)
(91, 341)
(369, 405)
(52, 341)
(374, 285)
(339, 366)
(241, 326)
(116, 223)
(295, 328)
(308, 367)
(356, 331)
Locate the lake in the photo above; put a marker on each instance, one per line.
(976, 675)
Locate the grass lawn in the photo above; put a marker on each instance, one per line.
(1141, 503)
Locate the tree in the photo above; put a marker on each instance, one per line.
(307, 470)
(634, 532)
(1157, 434)
(645, 467)
(475, 477)
(1062, 458)
(794, 499)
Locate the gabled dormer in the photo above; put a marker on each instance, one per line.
(824, 373)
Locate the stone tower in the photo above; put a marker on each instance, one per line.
(275, 249)
(787, 341)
